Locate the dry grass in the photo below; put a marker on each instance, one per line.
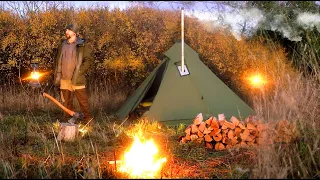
(297, 99)
(29, 148)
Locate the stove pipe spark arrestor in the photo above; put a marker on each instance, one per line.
(35, 75)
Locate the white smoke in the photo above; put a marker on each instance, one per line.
(279, 24)
(309, 21)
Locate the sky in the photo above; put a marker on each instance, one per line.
(214, 14)
(217, 15)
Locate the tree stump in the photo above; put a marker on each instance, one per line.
(67, 131)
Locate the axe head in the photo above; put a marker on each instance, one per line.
(75, 117)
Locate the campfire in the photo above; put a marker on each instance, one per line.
(142, 159)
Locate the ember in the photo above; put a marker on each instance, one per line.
(141, 160)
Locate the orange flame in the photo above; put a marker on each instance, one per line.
(141, 160)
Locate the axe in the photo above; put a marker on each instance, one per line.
(75, 115)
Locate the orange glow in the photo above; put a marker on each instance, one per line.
(35, 75)
(141, 160)
(257, 80)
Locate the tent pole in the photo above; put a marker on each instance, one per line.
(182, 39)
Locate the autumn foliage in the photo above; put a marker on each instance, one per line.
(127, 45)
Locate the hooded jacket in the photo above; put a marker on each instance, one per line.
(83, 63)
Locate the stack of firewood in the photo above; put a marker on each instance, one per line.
(221, 134)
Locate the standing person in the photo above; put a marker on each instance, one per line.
(72, 62)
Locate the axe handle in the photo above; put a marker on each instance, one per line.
(71, 113)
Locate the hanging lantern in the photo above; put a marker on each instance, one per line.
(35, 75)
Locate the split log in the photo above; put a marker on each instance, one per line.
(246, 131)
(68, 132)
(237, 131)
(221, 117)
(214, 132)
(224, 127)
(208, 121)
(221, 122)
(235, 121)
(219, 146)
(243, 144)
(200, 135)
(214, 123)
(200, 139)
(188, 131)
(234, 141)
(208, 138)
(217, 137)
(183, 140)
(202, 126)
(206, 131)
(229, 125)
(188, 138)
(230, 134)
(241, 125)
(193, 137)
(198, 119)
(209, 145)
(251, 126)
(194, 128)
(250, 138)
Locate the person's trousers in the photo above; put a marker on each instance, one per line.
(82, 97)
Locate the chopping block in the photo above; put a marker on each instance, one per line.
(68, 132)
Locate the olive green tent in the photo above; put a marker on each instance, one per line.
(178, 97)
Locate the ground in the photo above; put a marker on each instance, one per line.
(30, 150)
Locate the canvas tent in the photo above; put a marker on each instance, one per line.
(177, 98)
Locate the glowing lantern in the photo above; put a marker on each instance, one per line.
(35, 75)
(141, 161)
(257, 81)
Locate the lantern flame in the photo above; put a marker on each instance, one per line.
(257, 81)
(141, 161)
(35, 75)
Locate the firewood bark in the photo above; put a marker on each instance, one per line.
(68, 132)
